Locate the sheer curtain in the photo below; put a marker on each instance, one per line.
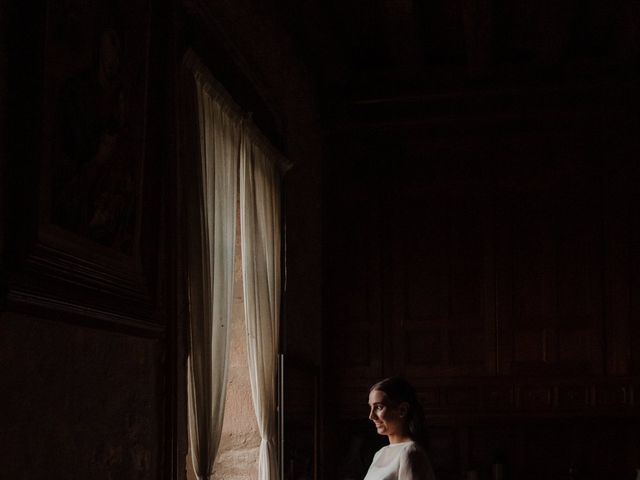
(260, 240)
(231, 150)
(211, 194)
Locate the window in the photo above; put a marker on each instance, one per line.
(234, 162)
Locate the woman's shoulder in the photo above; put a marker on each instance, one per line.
(416, 461)
(409, 448)
(412, 450)
(412, 446)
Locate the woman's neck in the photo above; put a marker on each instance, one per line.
(399, 438)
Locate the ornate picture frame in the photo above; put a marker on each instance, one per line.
(76, 225)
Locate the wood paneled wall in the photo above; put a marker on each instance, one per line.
(495, 267)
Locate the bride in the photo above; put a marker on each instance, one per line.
(396, 413)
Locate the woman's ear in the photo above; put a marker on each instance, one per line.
(403, 409)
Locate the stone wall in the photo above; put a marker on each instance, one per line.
(237, 457)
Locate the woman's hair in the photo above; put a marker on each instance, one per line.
(398, 390)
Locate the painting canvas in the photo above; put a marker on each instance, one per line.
(83, 255)
(95, 81)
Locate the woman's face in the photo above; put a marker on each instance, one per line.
(388, 418)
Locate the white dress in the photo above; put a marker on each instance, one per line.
(400, 461)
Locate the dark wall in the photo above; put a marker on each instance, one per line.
(85, 335)
(484, 245)
(79, 401)
(4, 101)
(92, 335)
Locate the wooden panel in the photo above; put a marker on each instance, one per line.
(441, 275)
(351, 271)
(300, 406)
(523, 396)
(550, 284)
(422, 249)
(573, 398)
(488, 444)
(546, 452)
(356, 342)
(423, 347)
(634, 318)
(445, 452)
(498, 397)
(617, 289)
(612, 396)
(466, 397)
(430, 397)
(353, 345)
(469, 346)
(535, 397)
(529, 449)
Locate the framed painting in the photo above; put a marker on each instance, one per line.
(79, 239)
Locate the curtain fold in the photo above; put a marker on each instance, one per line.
(232, 152)
(211, 196)
(260, 241)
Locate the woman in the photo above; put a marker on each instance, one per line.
(396, 413)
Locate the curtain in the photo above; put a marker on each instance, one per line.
(260, 241)
(210, 190)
